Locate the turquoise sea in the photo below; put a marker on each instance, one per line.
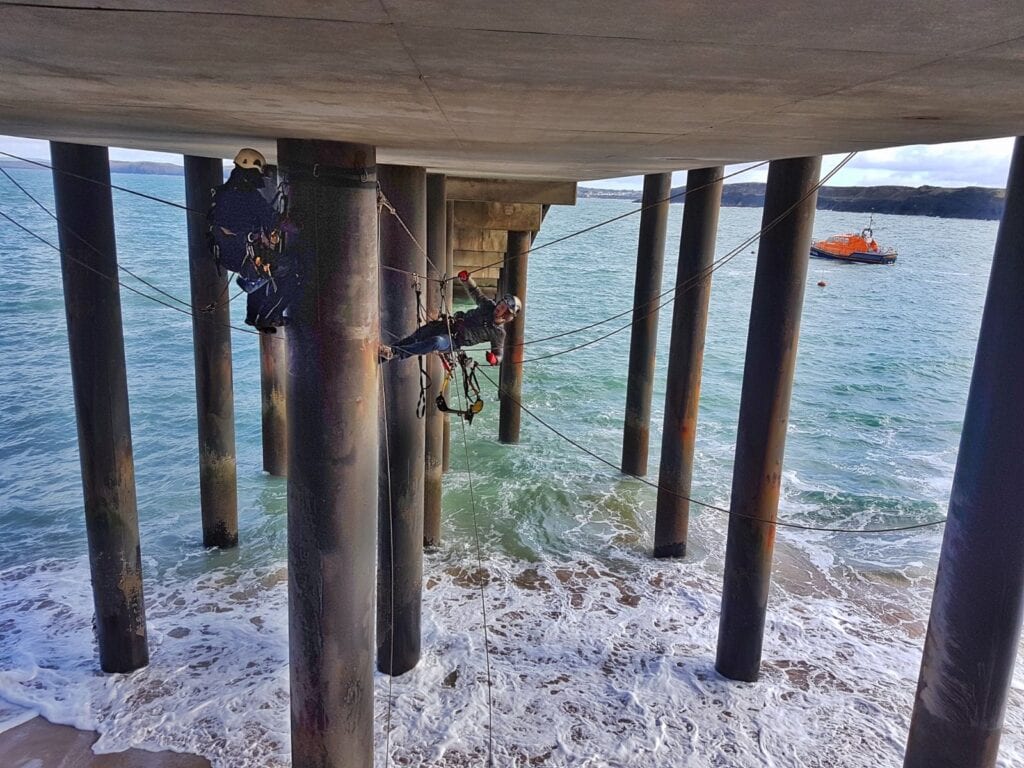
(598, 655)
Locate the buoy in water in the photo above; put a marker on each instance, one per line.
(822, 283)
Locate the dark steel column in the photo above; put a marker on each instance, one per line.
(437, 253)
(686, 356)
(273, 385)
(273, 392)
(764, 411)
(211, 343)
(650, 261)
(92, 302)
(332, 397)
(449, 291)
(511, 373)
(400, 501)
(975, 623)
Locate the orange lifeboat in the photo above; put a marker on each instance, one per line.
(861, 249)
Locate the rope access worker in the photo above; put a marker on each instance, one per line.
(484, 323)
(245, 230)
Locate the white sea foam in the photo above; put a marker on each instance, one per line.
(594, 662)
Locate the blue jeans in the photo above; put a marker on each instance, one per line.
(432, 337)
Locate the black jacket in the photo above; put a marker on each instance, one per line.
(477, 325)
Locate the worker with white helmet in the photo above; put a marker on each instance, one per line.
(246, 239)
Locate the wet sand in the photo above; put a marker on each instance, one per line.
(40, 744)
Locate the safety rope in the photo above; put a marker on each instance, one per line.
(391, 530)
(421, 318)
(480, 568)
(504, 393)
(383, 202)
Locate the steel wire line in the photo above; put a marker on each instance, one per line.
(95, 250)
(571, 235)
(681, 288)
(131, 288)
(730, 513)
(617, 218)
(107, 184)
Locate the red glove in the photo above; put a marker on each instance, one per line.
(463, 275)
(492, 359)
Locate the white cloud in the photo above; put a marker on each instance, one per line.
(963, 164)
(967, 163)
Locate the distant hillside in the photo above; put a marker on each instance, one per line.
(958, 203)
(116, 166)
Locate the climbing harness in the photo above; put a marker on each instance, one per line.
(474, 401)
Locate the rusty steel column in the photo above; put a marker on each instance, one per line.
(92, 303)
(273, 385)
(643, 345)
(974, 629)
(438, 258)
(449, 297)
(685, 358)
(333, 339)
(511, 374)
(211, 343)
(400, 500)
(273, 393)
(764, 411)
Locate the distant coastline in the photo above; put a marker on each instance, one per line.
(945, 202)
(116, 166)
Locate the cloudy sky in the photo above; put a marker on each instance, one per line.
(969, 163)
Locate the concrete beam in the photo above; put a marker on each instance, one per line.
(514, 217)
(512, 191)
(466, 239)
(475, 259)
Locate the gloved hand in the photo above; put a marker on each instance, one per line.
(463, 275)
(492, 359)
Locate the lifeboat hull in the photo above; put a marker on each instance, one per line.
(856, 257)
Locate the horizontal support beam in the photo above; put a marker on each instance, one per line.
(481, 240)
(517, 217)
(471, 259)
(511, 191)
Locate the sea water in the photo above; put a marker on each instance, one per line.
(597, 655)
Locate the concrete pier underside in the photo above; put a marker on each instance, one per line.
(576, 90)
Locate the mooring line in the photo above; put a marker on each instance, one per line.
(680, 289)
(730, 513)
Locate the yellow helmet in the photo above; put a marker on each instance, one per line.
(249, 158)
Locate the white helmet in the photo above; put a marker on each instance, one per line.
(513, 303)
(249, 158)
